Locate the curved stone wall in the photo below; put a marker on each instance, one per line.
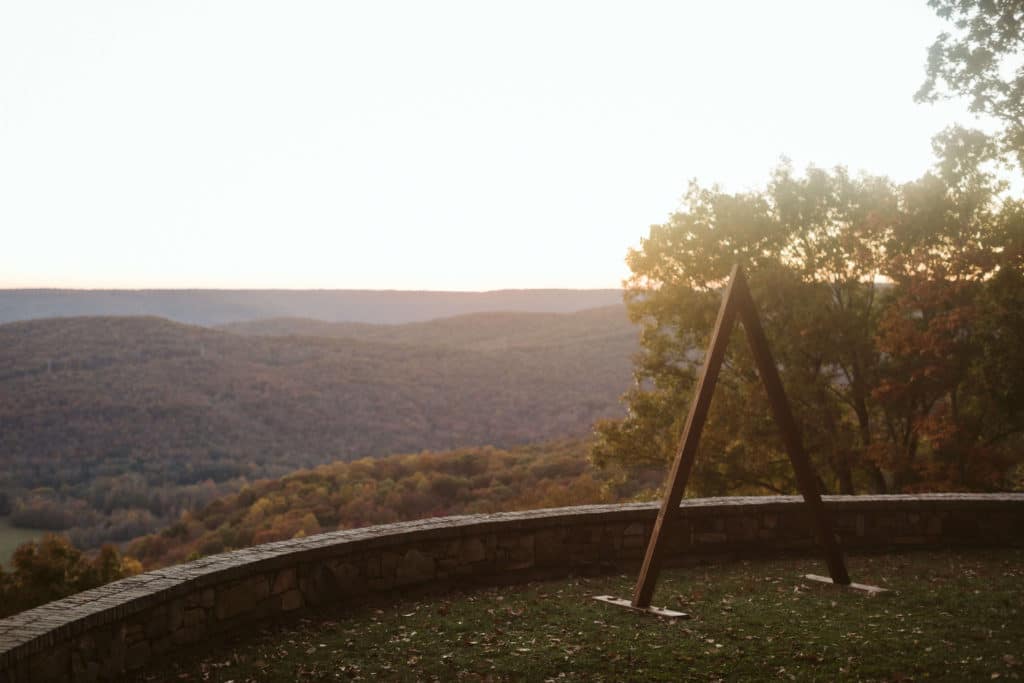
(102, 633)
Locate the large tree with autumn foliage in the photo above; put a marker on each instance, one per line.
(892, 310)
(896, 312)
(52, 568)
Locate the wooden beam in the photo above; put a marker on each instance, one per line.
(805, 476)
(687, 449)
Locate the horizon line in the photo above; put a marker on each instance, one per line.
(308, 289)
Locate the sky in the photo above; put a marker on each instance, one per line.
(422, 145)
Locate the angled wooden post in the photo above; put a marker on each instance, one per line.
(736, 301)
(688, 443)
(806, 479)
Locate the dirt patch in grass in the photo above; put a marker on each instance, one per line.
(948, 616)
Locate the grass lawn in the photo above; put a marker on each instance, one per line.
(956, 616)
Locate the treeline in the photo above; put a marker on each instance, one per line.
(112, 427)
(894, 311)
(52, 568)
(395, 488)
(112, 509)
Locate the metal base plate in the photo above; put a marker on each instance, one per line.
(871, 590)
(657, 611)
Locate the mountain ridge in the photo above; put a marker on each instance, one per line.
(223, 306)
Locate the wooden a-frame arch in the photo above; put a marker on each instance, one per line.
(736, 302)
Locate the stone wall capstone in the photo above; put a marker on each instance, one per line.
(102, 633)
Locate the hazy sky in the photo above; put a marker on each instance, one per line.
(421, 145)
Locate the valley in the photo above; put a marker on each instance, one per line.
(111, 427)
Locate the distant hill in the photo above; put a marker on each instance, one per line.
(477, 331)
(107, 411)
(218, 307)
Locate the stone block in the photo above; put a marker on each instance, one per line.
(104, 639)
(291, 600)
(796, 525)
(581, 535)
(133, 633)
(328, 582)
(388, 563)
(111, 667)
(962, 526)
(385, 583)
(910, 540)
(471, 550)
(633, 542)
(52, 665)
(516, 552)
(741, 528)
(189, 634)
(137, 655)
(635, 529)
(314, 586)
(549, 547)
(162, 645)
(709, 537)
(204, 598)
(284, 581)
(83, 669)
(86, 645)
(241, 597)
(193, 617)
(175, 615)
(157, 622)
(344, 571)
(415, 566)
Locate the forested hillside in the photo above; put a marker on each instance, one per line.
(111, 426)
(374, 491)
(479, 331)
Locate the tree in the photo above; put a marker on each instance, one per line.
(979, 59)
(886, 307)
(810, 245)
(52, 568)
